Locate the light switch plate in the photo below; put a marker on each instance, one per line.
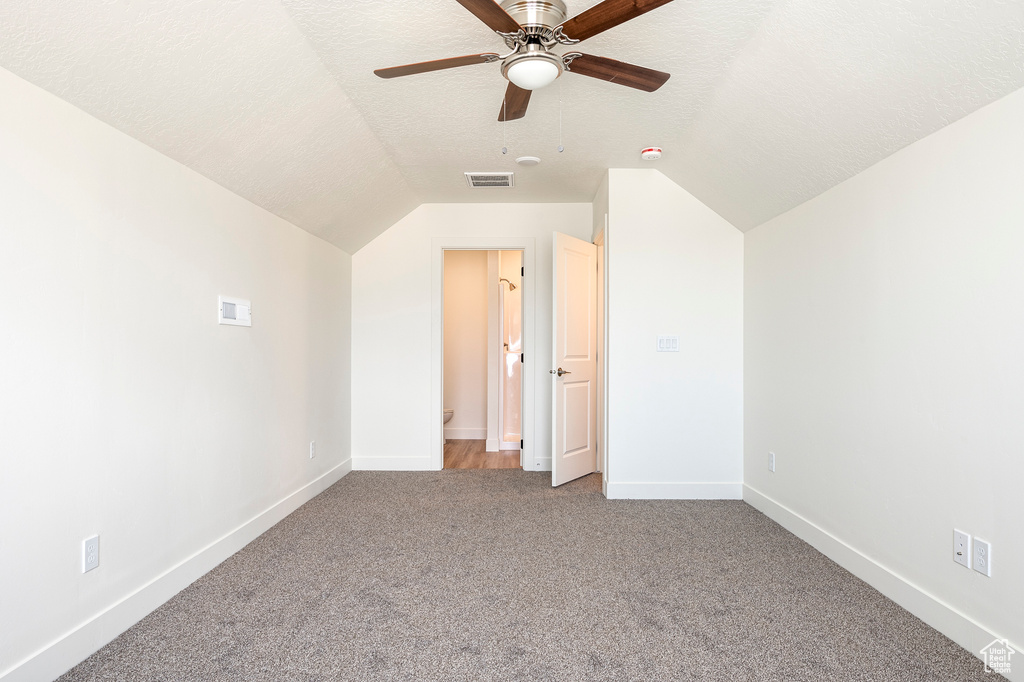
(668, 344)
(234, 311)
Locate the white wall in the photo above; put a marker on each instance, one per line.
(884, 367)
(674, 267)
(393, 334)
(126, 410)
(600, 212)
(465, 343)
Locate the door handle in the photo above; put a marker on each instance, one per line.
(559, 371)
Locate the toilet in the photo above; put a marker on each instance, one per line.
(448, 414)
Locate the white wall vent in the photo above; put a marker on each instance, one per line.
(489, 179)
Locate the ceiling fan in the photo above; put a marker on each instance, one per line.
(531, 28)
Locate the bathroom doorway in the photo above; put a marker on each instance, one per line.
(483, 354)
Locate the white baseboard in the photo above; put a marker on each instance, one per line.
(491, 445)
(541, 464)
(674, 491)
(71, 649)
(392, 464)
(465, 434)
(952, 623)
(508, 445)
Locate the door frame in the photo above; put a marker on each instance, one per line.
(500, 365)
(438, 245)
(602, 363)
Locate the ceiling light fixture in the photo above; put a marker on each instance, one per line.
(533, 68)
(528, 160)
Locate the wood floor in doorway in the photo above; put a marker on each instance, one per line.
(471, 454)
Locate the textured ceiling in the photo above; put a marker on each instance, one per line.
(770, 102)
(230, 88)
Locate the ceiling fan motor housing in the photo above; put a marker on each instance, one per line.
(537, 17)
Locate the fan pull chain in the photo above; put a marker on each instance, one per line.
(560, 147)
(504, 125)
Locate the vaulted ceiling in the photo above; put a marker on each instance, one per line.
(770, 102)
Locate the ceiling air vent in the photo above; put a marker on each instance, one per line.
(489, 179)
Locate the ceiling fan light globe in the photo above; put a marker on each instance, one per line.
(533, 74)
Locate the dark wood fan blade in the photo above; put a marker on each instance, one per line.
(515, 103)
(491, 13)
(606, 15)
(436, 65)
(614, 71)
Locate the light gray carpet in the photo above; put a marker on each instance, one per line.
(494, 575)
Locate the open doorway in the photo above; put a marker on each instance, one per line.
(483, 353)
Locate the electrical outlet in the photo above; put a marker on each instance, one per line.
(90, 553)
(962, 548)
(771, 462)
(983, 557)
(312, 449)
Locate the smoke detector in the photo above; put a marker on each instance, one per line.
(650, 154)
(528, 160)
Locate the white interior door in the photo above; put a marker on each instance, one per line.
(574, 366)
